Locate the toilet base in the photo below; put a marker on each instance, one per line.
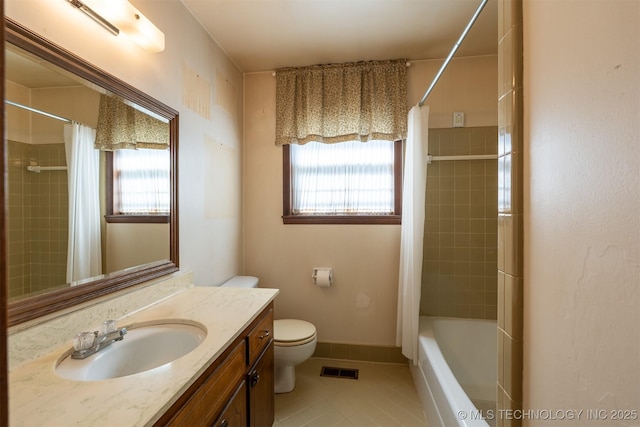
(286, 357)
(285, 379)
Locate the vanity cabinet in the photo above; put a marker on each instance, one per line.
(237, 388)
(261, 377)
(261, 373)
(235, 413)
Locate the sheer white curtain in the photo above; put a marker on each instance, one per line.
(412, 231)
(84, 257)
(143, 181)
(343, 178)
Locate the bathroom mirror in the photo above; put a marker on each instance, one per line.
(90, 85)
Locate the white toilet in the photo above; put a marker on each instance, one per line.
(294, 341)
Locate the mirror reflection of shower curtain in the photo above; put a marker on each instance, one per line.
(84, 258)
(412, 231)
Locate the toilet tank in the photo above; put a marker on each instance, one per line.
(241, 282)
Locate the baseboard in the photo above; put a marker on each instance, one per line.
(366, 353)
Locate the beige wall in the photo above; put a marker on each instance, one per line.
(210, 240)
(18, 118)
(128, 245)
(582, 207)
(468, 85)
(78, 103)
(360, 308)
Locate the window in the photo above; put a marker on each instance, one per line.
(343, 183)
(138, 188)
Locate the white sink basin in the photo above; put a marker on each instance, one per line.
(144, 347)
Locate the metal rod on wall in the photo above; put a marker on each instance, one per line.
(35, 110)
(38, 169)
(453, 52)
(431, 158)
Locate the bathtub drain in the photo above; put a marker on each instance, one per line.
(339, 372)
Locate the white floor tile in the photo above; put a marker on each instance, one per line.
(383, 395)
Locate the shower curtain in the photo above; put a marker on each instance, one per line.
(84, 258)
(412, 231)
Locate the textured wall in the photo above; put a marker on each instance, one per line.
(582, 208)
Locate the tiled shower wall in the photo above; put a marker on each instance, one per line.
(459, 277)
(510, 210)
(38, 218)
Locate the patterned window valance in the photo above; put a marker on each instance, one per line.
(121, 126)
(342, 102)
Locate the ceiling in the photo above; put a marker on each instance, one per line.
(263, 35)
(32, 72)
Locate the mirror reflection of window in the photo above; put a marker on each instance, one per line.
(138, 160)
(135, 248)
(43, 243)
(141, 182)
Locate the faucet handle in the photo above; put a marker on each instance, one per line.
(108, 326)
(83, 340)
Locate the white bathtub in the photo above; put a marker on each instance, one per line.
(457, 371)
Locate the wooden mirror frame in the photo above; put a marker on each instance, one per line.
(33, 307)
(4, 352)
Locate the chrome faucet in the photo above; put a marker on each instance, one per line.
(87, 343)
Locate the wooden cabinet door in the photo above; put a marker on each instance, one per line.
(235, 413)
(206, 398)
(261, 392)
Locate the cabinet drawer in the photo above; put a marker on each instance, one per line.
(209, 398)
(260, 336)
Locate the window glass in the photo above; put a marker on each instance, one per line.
(141, 182)
(348, 178)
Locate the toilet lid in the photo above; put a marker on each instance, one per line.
(292, 330)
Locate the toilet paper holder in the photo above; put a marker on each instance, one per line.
(317, 270)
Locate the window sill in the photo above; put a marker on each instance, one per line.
(340, 219)
(137, 219)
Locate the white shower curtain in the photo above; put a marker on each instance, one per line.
(412, 231)
(84, 257)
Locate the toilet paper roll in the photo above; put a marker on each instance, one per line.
(323, 278)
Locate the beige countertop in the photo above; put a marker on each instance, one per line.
(39, 397)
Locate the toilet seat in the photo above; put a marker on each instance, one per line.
(293, 332)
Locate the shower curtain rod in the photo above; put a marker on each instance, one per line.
(453, 52)
(38, 169)
(35, 110)
(431, 158)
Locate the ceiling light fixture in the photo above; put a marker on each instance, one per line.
(120, 16)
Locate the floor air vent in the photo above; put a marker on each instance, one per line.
(339, 373)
